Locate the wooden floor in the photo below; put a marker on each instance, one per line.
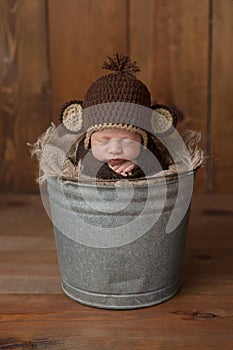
(35, 314)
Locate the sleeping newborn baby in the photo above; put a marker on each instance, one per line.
(113, 146)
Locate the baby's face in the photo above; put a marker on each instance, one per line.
(115, 145)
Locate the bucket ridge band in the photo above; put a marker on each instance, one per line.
(126, 301)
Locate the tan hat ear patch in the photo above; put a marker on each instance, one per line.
(72, 117)
(161, 120)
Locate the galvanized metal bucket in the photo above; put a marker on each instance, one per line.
(112, 242)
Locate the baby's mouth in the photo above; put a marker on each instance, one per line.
(115, 161)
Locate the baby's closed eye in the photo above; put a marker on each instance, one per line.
(128, 141)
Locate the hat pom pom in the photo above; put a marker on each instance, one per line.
(122, 64)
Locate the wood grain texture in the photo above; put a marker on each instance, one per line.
(69, 41)
(82, 34)
(222, 101)
(24, 92)
(187, 322)
(35, 313)
(170, 41)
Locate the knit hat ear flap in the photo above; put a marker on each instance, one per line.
(163, 119)
(71, 115)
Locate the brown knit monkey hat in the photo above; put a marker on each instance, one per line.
(117, 100)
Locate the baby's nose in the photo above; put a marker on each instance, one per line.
(115, 147)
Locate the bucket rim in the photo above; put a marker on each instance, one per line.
(110, 184)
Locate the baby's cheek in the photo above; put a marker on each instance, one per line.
(98, 154)
(134, 152)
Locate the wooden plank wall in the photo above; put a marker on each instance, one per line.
(24, 90)
(222, 97)
(51, 51)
